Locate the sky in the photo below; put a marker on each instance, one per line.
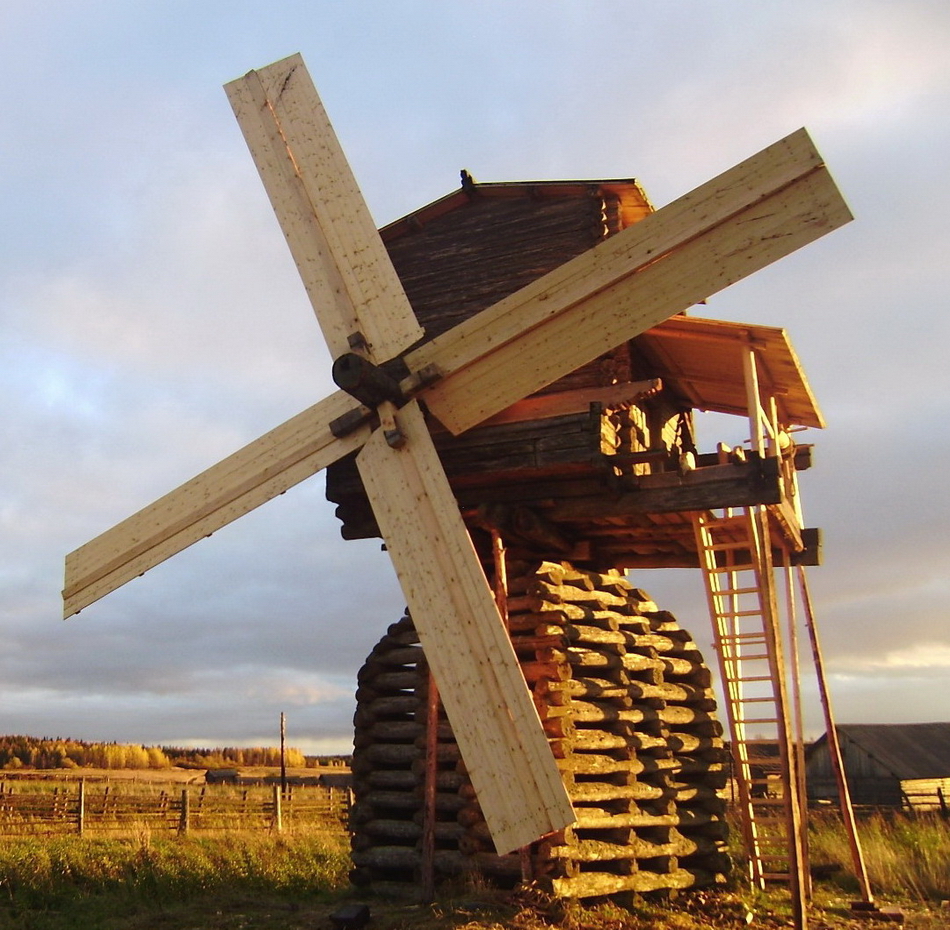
(152, 321)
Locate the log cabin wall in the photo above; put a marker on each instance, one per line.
(460, 255)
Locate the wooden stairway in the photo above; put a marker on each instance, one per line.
(735, 550)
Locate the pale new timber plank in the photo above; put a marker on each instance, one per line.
(344, 266)
(246, 479)
(493, 716)
(741, 221)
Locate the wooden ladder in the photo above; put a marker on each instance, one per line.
(735, 552)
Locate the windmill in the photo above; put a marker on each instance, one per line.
(392, 380)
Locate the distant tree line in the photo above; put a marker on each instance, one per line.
(237, 756)
(18, 752)
(44, 753)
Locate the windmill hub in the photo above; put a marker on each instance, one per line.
(366, 382)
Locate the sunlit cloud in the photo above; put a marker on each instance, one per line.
(913, 659)
(152, 321)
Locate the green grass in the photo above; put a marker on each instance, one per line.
(72, 882)
(261, 881)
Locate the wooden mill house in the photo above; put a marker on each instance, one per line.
(596, 476)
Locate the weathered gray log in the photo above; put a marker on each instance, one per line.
(409, 830)
(641, 691)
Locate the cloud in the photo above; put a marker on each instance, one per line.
(915, 660)
(151, 319)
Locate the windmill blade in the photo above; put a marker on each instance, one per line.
(755, 213)
(349, 278)
(270, 465)
(493, 716)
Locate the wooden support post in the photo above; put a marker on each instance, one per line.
(184, 821)
(834, 747)
(81, 807)
(798, 778)
(775, 447)
(430, 786)
(501, 574)
(752, 401)
(283, 753)
(278, 813)
(500, 588)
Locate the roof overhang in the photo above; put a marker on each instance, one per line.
(703, 361)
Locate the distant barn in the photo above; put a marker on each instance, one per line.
(887, 765)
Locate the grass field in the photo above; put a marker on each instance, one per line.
(265, 881)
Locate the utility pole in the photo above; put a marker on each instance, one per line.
(283, 754)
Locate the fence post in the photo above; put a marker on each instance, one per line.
(183, 822)
(81, 807)
(278, 818)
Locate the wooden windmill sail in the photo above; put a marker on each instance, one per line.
(753, 214)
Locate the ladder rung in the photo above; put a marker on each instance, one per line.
(740, 613)
(753, 637)
(724, 520)
(725, 569)
(726, 545)
(755, 700)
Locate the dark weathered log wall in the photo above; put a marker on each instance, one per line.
(625, 699)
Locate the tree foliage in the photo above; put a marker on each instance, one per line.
(57, 753)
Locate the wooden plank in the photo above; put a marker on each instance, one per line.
(493, 716)
(546, 406)
(753, 214)
(246, 479)
(344, 266)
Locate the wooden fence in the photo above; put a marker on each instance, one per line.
(77, 807)
(925, 800)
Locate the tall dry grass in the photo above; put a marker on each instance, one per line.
(904, 856)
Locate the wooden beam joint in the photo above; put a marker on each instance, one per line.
(368, 383)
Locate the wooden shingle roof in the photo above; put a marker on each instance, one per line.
(701, 360)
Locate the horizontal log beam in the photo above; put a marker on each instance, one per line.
(710, 488)
(626, 557)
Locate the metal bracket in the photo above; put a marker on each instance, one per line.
(350, 421)
(372, 386)
(357, 342)
(420, 379)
